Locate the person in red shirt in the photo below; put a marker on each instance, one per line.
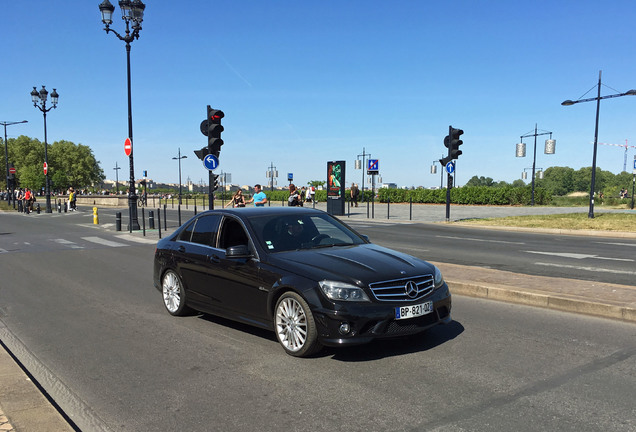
(27, 200)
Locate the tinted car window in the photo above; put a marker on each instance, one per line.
(277, 233)
(232, 234)
(205, 230)
(186, 234)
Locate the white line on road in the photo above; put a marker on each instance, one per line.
(68, 243)
(479, 240)
(577, 256)
(136, 239)
(618, 244)
(104, 242)
(593, 269)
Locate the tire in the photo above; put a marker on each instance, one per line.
(295, 327)
(174, 296)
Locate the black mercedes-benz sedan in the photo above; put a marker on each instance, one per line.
(300, 272)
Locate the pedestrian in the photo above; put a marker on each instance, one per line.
(355, 193)
(259, 198)
(71, 198)
(238, 200)
(310, 194)
(294, 197)
(27, 200)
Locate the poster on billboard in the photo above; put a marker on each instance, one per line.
(336, 187)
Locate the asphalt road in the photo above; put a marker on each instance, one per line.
(78, 308)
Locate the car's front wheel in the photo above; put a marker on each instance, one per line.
(174, 296)
(295, 326)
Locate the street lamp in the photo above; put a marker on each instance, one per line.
(6, 157)
(132, 12)
(117, 168)
(39, 101)
(598, 107)
(179, 159)
(361, 164)
(549, 149)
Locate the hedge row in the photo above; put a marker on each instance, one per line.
(477, 195)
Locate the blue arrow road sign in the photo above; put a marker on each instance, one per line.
(211, 162)
(450, 167)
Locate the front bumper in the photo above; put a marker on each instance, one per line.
(374, 321)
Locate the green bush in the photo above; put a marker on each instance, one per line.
(475, 195)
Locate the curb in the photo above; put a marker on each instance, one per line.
(564, 303)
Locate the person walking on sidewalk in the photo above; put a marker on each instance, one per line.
(259, 198)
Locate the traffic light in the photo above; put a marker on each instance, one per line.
(215, 181)
(452, 142)
(445, 160)
(214, 130)
(201, 154)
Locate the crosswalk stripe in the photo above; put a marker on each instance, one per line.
(136, 239)
(68, 243)
(104, 242)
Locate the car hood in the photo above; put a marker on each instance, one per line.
(359, 264)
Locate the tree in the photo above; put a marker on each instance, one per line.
(69, 164)
(480, 181)
(316, 183)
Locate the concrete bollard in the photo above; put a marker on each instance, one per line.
(95, 216)
(118, 221)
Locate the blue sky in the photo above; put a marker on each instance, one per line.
(302, 83)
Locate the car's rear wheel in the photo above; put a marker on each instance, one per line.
(295, 326)
(174, 296)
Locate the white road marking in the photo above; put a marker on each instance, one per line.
(479, 240)
(577, 256)
(136, 239)
(592, 269)
(104, 242)
(618, 244)
(68, 243)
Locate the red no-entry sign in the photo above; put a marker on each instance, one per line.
(46, 168)
(11, 170)
(128, 147)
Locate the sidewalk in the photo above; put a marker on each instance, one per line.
(26, 409)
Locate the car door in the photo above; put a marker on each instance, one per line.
(197, 257)
(236, 282)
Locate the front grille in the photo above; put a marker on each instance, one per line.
(395, 290)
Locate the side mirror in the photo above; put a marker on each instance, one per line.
(365, 237)
(239, 251)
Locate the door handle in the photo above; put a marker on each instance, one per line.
(181, 249)
(214, 259)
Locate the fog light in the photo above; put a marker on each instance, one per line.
(345, 328)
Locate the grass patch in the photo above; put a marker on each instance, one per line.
(576, 221)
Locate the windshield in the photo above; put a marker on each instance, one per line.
(278, 233)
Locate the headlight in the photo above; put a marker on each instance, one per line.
(439, 279)
(342, 291)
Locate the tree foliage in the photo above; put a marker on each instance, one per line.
(69, 164)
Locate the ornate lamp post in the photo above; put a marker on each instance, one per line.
(132, 12)
(10, 196)
(39, 101)
(598, 107)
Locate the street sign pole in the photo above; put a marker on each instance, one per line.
(633, 181)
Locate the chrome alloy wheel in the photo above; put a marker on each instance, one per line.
(171, 288)
(291, 324)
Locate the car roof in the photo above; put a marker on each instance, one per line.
(249, 212)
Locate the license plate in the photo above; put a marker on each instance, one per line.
(413, 311)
